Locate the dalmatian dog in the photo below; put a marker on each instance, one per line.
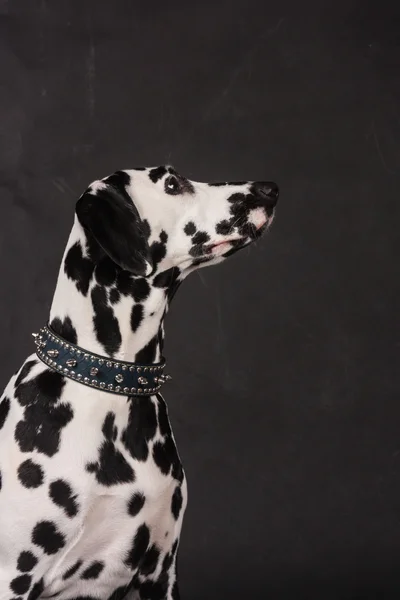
(92, 490)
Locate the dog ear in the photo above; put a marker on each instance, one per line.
(109, 214)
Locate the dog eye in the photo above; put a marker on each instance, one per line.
(172, 185)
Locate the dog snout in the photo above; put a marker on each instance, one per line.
(267, 192)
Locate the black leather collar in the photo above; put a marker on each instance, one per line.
(93, 370)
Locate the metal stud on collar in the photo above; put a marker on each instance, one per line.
(67, 359)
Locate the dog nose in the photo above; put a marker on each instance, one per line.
(268, 191)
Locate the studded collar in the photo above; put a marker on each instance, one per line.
(93, 370)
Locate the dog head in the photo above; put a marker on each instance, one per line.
(149, 220)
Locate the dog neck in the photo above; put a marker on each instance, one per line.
(107, 310)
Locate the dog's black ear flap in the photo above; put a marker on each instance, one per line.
(107, 211)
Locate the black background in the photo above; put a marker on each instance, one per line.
(285, 401)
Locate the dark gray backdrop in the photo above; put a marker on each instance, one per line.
(286, 402)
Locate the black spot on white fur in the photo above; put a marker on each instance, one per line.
(155, 590)
(4, 410)
(166, 458)
(111, 467)
(21, 584)
(162, 415)
(136, 287)
(93, 571)
(224, 227)
(176, 503)
(146, 228)
(190, 228)
(201, 237)
(157, 173)
(115, 296)
(138, 548)
(136, 504)
(65, 329)
(109, 429)
(46, 535)
(165, 453)
(79, 268)
(72, 570)
(24, 372)
(141, 428)
(45, 387)
(105, 323)
(137, 315)
(30, 474)
(62, 495)
(150, 560)
(26, 561)
(139, 289)
(36, 590)
(158, 251)
(44, 418)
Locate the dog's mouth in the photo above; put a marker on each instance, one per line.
(244, 234)
(252, 233)
(228, 245)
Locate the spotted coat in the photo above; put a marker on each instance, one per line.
(92, 490)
